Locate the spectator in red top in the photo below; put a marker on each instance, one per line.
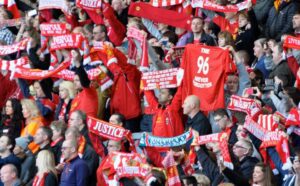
(86, 99)
(167, 119)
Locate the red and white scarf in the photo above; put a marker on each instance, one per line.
(209, 5)
(55, 4)
(222, 139)
(53, 29)
(142, 38)
(12, 64)
(11, 22)
(9, 49)
(292, 42)
(162, 3)
(36, 74)
(66, 41)
(89, 4)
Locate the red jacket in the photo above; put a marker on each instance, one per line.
(167, 120)
(225, 25)
(86, 101)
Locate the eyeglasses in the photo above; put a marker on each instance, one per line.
(218, 120)
(238, 146)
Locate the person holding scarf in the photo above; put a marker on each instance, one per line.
(46, 175)
(86, 98)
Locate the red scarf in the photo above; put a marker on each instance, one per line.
(9, 49)
(53, 29)
(292, 42)
(209, 5)
(40, 181)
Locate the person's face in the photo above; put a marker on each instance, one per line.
(55, 134)
(296, 21)
(197, 25)
(258, 174)
(39, 137)
(161, 26)
(164, 96)
(114, 120)
(8, 108)
(232, 84)
(187, 106)
(67, 150)
(113, 146)
(221, 121)
(242, 21)
(6, 174)
(97, 34)
(221, 42)
(38, 89)
(239, 149)
(74, 120)
(17, 150)
(63, 93)
(26, 112)
(117, 5)
(77, 83)
(277, 56)
(258, 49)
(3, 143)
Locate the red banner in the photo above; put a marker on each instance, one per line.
(209, 5)
(36, 74)
(160, 79)
(9, 49)
(292, 42)
(53, 29)
(11, 22)
(89, 4)
(66, 41)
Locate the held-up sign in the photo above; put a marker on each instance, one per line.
(170, 78)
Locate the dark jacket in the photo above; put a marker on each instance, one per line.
(205, 39)
(75, 173)
(199, 123)
(279, 21)
(283, 69)
(59, 107)
(56, 148)
(27, 167)
(242, 174)
(51, 179)
(210, 168)
(92, 160)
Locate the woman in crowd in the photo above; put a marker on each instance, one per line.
(46, 175)
(262, 175)
(58, 129)
(263, 61)
(12, 121)
(33, 120)
(66, 95)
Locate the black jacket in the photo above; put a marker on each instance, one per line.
(199, 123)
(280, 22)
(205, 39)
(242, 174)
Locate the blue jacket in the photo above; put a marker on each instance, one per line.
(75, 173)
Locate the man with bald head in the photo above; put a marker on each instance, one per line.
(196, 119)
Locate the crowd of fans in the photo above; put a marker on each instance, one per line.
(76, 112)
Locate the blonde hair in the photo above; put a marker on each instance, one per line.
(31, 106)
(45, 162)
(70, 88)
